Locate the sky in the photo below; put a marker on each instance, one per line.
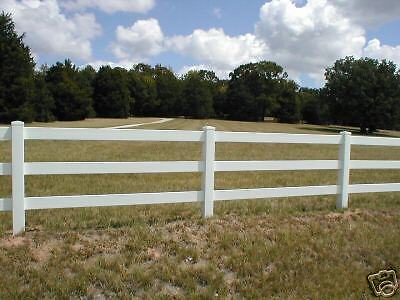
(303, 36)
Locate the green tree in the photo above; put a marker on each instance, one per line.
(314, 107)
(364, 92)
(16, 74)
(288, 108)
(168, 91)
(197, 96)
(43, 101)
(220, 99)
(111, 93)
(72, 101)
(143, 91)
(253, 89)
(86, 78)
(217, 87)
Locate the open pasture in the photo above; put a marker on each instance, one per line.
(283, 248)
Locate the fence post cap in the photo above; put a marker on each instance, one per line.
(17, 123)
(208, 127)
(345, 133)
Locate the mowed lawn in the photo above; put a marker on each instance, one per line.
(287, 248)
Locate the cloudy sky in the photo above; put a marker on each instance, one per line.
(304, 36)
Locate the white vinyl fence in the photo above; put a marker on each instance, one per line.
(18, 168)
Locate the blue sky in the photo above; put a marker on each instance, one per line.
(182, 18)
(304, 36)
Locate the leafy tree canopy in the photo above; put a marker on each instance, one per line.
(253, 89)
(72, 100)
(168, 91)
(197, 95)
(16, 74)
(111, 93)
(143, 91)
(364, 92)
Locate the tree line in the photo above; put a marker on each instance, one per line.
(358, 92)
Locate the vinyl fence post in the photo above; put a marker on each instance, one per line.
(342, 200)
(18, 183)
(208, 171)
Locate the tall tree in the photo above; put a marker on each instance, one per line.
(86, 78)
(364, 92)
(111, 93)
(143, 91)
(43, 101)
(288, 104)
(168, 91)
(197, 96)
(220, 99)
(314, 107)
(16, 74)
(253, 89)
(72, 101)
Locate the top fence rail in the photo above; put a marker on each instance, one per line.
(375, 141)
(286, 138)
(96, 134)
(5, 133)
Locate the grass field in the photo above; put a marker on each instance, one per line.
(290, 248)
(94, 123)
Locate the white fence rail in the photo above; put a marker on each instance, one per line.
(18, 168)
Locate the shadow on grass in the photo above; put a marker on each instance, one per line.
(338, 129)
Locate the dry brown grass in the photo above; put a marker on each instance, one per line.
(287, 248)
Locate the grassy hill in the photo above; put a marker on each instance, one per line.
(291, 248)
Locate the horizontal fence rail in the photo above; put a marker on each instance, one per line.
(5, 133)
(18, 168)
(5, 169)
(96, 134)
(191, 196)
(375, 141)
(283, 138)
(275, 192)
(276, 165)
(375, 164)
(112, 199)
(5, 204)
(65, 168)
(58, 168)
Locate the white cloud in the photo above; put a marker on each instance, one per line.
(216, 49)
(49, 31)
(217, 12)
(138, 42)
(110, 6)
(374, 49)
(369, 12)
(304, 37)
(308, 38)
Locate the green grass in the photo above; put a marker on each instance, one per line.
(290, 248)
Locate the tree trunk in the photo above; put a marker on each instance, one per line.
(363, 129)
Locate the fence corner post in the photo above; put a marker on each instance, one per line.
(18, 180)
(208, 171)
(342, 200)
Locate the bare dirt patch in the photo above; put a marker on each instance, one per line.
(42, 253)
(14, 241)
(153, 253)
